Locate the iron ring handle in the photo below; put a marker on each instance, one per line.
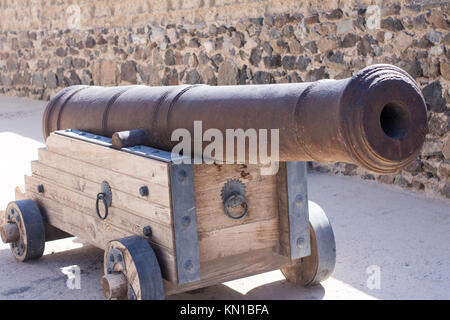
(101, 196)
(243, 199)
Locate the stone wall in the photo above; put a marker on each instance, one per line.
(50, 44)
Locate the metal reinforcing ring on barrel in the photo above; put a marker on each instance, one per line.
(106, 196)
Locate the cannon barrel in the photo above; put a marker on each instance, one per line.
(376, 119)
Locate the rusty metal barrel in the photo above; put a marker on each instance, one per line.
(376, 119)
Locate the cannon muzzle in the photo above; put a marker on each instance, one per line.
(376, 119)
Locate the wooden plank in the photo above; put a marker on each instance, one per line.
(70, 220)
(119, 161)
(51, 232)
(283, 210)
(78, 200)
(157, 193)
(85, 226)
(90, 231)
(19, 193)
(138, 206)
(231, 268)
(209, 181)
(238, 239)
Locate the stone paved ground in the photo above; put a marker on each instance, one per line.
(404, 234)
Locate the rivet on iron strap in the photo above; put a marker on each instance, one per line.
(185, 222)
(299, 238)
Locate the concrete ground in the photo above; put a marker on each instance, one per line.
(391, 243)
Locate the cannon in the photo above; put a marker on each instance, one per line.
(376, 119)
(109, 175)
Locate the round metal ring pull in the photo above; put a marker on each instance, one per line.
(234, 201)
(101, 196)
(233, 196)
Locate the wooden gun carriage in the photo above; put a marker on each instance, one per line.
(168, 226)
(165, 230)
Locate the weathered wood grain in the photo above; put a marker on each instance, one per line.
(209, 181)
(231, 268)
(79, 200)
(133, 165)
(90, 228)
(119, 181)
(283, 210)
(121, 200)
(238, 239)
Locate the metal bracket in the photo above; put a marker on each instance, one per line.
(143, 151)
(85, 136)
(106, 190)
(106, 196)
(185, 222)
(299, 237)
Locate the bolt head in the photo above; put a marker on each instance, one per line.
(182, 175)
(188, 265)
(186, 221)
(143, 191)
(300, 242)
(298, 199)
(147, 231)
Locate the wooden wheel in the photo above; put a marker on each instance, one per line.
(320, 264)
(131, 271)
(24, 230)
